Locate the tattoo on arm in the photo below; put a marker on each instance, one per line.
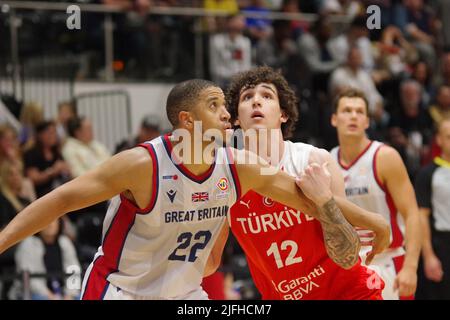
(341, 240)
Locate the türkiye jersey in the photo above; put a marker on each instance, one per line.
(285, 249)
(161, 251)
(363, 188)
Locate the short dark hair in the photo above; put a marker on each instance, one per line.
(350, 93)
(255, 76)
(42, 126)
(74, 124)
(184, 96)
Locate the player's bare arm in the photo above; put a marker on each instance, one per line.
(393, 175)
(357, 216)
(127, 172)
(215, 257)
(341, 239)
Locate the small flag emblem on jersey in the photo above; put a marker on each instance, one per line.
(170, 177)
(200, 196)
(223, 184)
(171, 194)
(268, 202)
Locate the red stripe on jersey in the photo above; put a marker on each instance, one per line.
(354, 161)
(113, 244)
(397, 236)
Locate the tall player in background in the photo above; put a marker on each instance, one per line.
(168, 211)
(285, 250)
(376, 179)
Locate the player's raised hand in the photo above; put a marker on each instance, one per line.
(315, 182)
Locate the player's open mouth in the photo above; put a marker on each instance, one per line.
(257, 115)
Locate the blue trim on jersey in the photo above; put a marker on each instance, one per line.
(102, 297)
(191, 176)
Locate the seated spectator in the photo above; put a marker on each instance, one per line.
(258, 28)
(51, 253)
(212, 23)
(229, 52)
(356, 36)
(9, 144)
(349, 8)
(410, 128)
(150, 129)
(298, 27)
(418, 28)
(353, 75)
(31, 115)
(444, 76)
(278, 49)
(66, 111)
(44, 164)
(11, 203)
(81, 151)
(423, 74)
(441, 109)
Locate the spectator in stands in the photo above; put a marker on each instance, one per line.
(66, 111)
(229, 52)
(349, 8)
(410, 128)
(212, 23)
(353, 75)
(357, 35)
(31, 115)
(81, 151)
(277, 50)
(11, 203)
(9, 144)
(298, 27)
(444, 75)
(44, 164)
(441, 109)
(315, 49)
(258, 28)
(433, 196)
(423, 74)
(52, 253)
(150, 129)
(418, 27)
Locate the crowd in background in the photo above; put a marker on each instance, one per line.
(404, 69)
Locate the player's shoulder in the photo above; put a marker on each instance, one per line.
(319, 155)
(386, 154)
(138, 158)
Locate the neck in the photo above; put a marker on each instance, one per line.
(269, 145)
(445, 156)
(196, 157)
(351, 147)
(48, 239)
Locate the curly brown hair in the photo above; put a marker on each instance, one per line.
(248, 79)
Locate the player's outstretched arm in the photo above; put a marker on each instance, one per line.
(354, 214)
(341, 239)
(125, 171)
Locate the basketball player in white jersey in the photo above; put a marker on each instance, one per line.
(167, 212)
(376, 179)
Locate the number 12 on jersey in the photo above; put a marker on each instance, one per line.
(291, 258)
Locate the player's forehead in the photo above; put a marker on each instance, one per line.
(212, 93)
(351, 102)
(262, 86)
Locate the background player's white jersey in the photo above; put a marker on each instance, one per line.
(363, 188)
(160, 252)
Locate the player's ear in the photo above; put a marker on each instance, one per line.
(284, 117)
(334, 120)
(185, 120)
